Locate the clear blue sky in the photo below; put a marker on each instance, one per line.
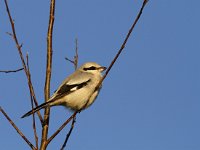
(149, 101)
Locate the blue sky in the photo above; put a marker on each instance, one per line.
(149, 101)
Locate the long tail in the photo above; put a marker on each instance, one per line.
(36, 109)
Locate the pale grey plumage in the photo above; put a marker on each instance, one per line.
(77, 91)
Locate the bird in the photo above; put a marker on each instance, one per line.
(78, 91)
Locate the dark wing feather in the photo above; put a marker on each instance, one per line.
(66, 89)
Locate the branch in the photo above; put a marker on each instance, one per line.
(48, 75)
(22, 58)
(69, 133)
(76, 56)
(125, 41)
(75, 61)
(61, 127)
(31, 98)
(10, 71)
(17, 129)
(120, 50)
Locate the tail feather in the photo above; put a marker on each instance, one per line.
(36, 109)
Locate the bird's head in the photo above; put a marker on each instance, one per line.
(92, 67)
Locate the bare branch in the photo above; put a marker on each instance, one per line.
(22, 58)
(71, 61)
(48, 75)
(17, 129)
(69, 133)
(76, 55)
(121, 48)
(34, 125)
(61, 127)
(125, 41)
(75, 61)
(10, 34)
(11, 71)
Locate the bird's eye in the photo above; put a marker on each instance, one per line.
(90, 68)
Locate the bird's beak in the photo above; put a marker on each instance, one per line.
(102, 68)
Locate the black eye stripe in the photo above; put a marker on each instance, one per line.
(90, 68)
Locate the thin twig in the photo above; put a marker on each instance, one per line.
(76, 56)
(11, 71)
(48, 75)
(34, 125)
(71, 61)
(17, 129)
(61, 127)
(69, 133)
(121, 48)
(10, 34)
(125, 41)
(30, 85)
(75, 61)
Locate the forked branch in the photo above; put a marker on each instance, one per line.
(75, 61)
(61, 127)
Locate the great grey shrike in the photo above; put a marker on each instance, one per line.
(78, 91)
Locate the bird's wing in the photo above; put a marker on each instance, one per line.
(71, 84)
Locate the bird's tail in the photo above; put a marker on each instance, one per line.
(36, 109)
